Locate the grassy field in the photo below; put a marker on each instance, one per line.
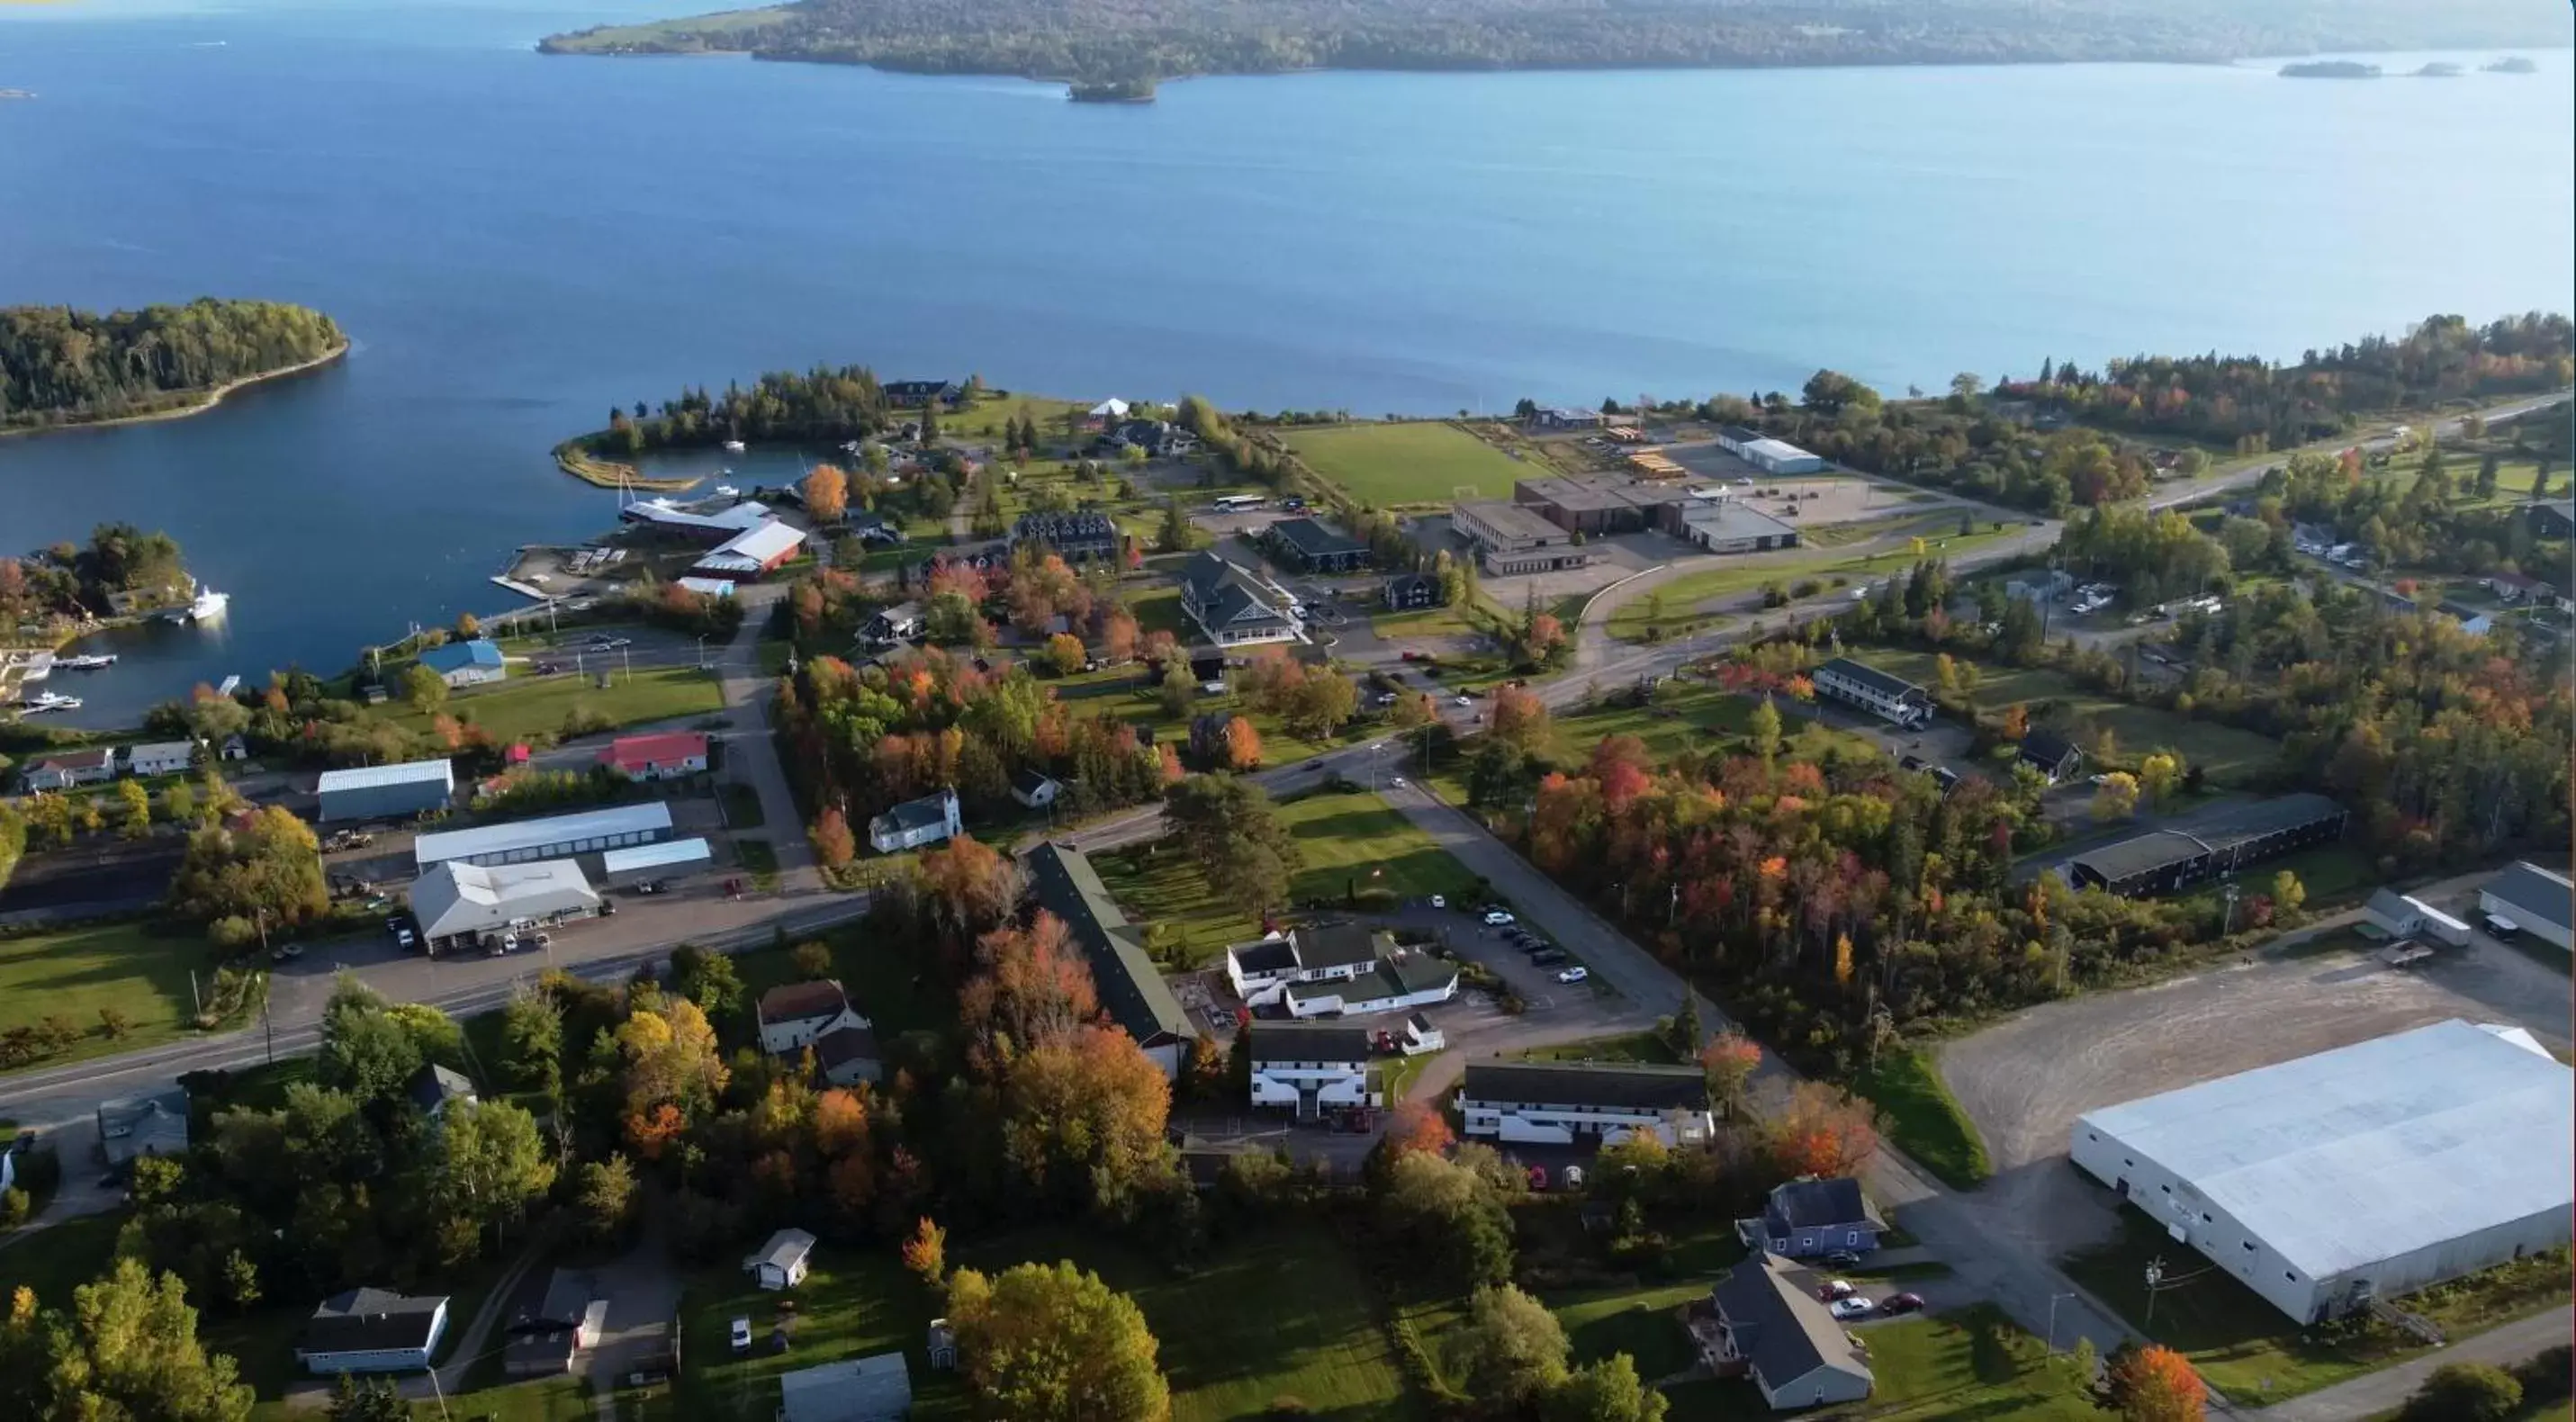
(1693, 716)
(1350, 841)
(1973, 1363)
(1684, 596)
(1923, 1120)
(2224, 752)
(1271, 1316)
(565, 1399)
(2250, 1351)
(525, 705)
(1632, 1047)
(141, 969)
(59, 1258)
(884, 984)
(1424, 462)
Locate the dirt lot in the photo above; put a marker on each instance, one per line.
(2025, 1081)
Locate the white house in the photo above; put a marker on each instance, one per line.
(1261, 971)
(1889, 697)
(2402, 916)
(894, 624)
(1035, 790)
(932, 819)
(371, 1331)
(161, 758)
(1400, 983)
(1311, 1067)
(780, 1264)
(795, 1014)
(1420, 1037)
(62, 772)
(1558, 1103)
(2533, 900)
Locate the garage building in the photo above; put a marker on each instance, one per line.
(555, 837)
(458, 903)
(2358, 1174)
(1726, 526)
(386, 792)
(2162, 861)
(655, 861)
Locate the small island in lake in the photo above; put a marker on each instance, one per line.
(62, 367)
(2511, 64)
(2438, 70)
(2330, 69)
(1111, 91)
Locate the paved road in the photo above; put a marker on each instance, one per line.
(2382, 1392)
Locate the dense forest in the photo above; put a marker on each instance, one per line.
(59, 366)
(74, 580)
(2245, 398)
(1094, 43)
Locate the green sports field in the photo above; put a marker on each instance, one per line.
(1424, 462)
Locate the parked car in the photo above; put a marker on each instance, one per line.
(1465, 700)
(1498, 918)
(1547, 957)
(1575, 974)
(403, 938)
(741, 1335)
(1895, 1304)
(1440, 901)
(1833, 1289)
(1573, 1177)
(1842, 1259)
(1849, 1309)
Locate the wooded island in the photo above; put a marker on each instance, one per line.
(60, 366)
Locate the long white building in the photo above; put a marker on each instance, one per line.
(554, 837)
(2365, 1172)
(1882, 694)
(1558, 1103)
(1311, 1067)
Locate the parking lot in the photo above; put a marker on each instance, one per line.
(2025, 1081)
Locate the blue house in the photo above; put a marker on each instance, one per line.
(466, 663)
(1805, 1218)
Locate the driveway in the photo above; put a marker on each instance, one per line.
(643, 1293)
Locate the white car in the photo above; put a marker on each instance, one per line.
(1496, 918)
(1465, 700)
(1440, 901)
(1399, 782)
(1852, 1308)
(1574, 975)
(741, 1335)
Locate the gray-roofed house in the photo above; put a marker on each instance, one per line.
(932, 819)
(1406, 592)
(871, 1389)
(1230, 606)
(554, 1327)
(792, 1016)
(1882, 694)
(1558, 1103)
(1314, 548)
(371, 1331)
(1260, 971)
(2161, 861)
(2535, 900)
(1760, 1324)
(895, 623)
(2051, 755)
(146, 1125)
(781, 1262)
(1805, 1218)
(849, 1055)
(1035, 789)
(1078, 536)
(434, 1088)
(2553, 518)
(1132, 992)
(1311, 1067)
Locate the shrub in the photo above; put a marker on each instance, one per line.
(2546, 1378)
(14, 1208)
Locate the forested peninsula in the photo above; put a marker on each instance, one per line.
(61, 367)
(1118, 48)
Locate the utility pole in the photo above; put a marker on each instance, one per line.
(267, 1023)
(2052, 1322)
(2155, 1276)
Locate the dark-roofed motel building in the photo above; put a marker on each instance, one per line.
(1559, 1103)
(1130, 988)
(1313, 547)
(2161, 861)
(1081, 535)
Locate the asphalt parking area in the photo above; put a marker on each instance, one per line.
(2025, 1080)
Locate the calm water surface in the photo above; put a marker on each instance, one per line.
(517, 242)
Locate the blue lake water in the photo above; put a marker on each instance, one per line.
(516, 242)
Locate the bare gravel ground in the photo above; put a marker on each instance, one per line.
(2025, 1080)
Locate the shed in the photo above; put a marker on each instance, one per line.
(386, 792)
(781, 1262)
(622, 867)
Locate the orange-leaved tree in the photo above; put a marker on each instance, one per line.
(827, 493)
(1822, 1131)
(2156, 1384)
(1242, 745)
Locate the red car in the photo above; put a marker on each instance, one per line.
(1901, 1303)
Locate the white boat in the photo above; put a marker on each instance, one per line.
(50, 701)
(230, 685)
(208, 604)
(734, 446)
(728, 491)
(87, 661)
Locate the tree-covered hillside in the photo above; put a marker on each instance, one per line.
(59, 366)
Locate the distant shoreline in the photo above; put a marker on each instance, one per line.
(210, 399)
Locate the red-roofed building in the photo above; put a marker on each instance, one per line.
(667, 756)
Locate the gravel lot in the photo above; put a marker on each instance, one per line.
(2026, 1080)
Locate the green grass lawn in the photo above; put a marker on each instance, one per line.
(1922, 1118)
(2226, 753)
(525, 705)
(1643, 1322)
(1461, 620)
(1418, 462)
(1973, 1363)
(1279, 1314)
(1696, 716)
(1631, 1047)
(59, 1258)
(884, 983)
(1350, 842)
(564, 1399)
(761, 860)
(2250, 1351)
(140, 969)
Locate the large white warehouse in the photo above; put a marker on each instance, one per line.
(2366, 1172)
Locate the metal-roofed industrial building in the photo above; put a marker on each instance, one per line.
(622, 867)
(555, 837)
(1131, 989)
(2357, 1174)
(1726, 526)
(2161, 861)
(461, 902)
(385, 792)
(754, 551)
(2532, 899)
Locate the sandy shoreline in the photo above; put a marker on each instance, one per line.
(210, 400)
